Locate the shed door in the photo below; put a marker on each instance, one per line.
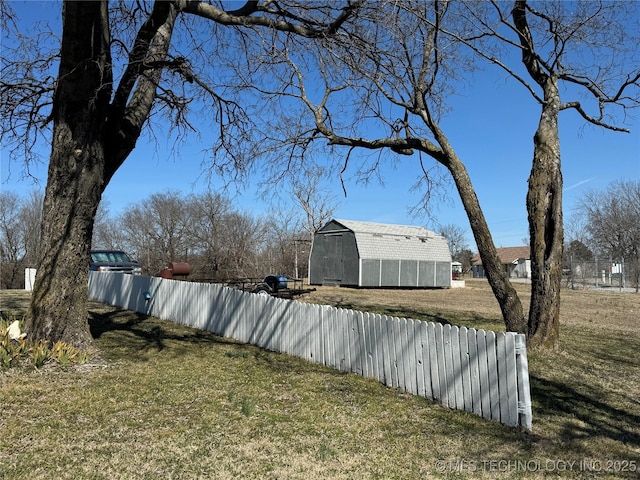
(333, 265)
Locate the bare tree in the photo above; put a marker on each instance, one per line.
(117, 70)
(402, 70)
(30, 221)
(456, 239)
(381, 87)
(156, 231)
(243, 239)
(11, 241)
(207, 214)
(587, 50)
(19, 236)
(318, 204)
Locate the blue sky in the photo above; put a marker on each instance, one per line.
(491, 127)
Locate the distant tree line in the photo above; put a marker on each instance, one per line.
(221, 242)
(206, 230)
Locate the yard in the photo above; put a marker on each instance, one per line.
(170, 402)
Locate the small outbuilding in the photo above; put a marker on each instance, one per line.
(364, 254)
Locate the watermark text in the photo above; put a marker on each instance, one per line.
(549, 465)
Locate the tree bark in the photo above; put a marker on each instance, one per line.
(75, 183)
(544, 198)
(506, 295)
(92, 136)
(544, 208)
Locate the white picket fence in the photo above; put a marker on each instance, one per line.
(479, 371)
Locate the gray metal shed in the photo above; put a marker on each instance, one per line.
(364, 254)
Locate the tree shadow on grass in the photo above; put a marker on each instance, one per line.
(132, 333)
(595, 417)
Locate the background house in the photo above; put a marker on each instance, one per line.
(515, 260)
(363, 254)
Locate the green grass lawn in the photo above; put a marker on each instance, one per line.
(172, 402)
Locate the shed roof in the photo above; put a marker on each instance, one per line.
(397, 242)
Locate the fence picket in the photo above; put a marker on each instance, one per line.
(474, 372)
(426, 359)
(419, 346)
(396, 346)
(387, 344)
(411, 364)
(434, 371)
(512, 381)
(492, 370)
(483, 373)
(467, 396)
(456, 367)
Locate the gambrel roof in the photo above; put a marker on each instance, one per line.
(397, 242)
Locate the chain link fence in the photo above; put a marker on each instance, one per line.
(602, 274)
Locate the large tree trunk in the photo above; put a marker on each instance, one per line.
(510, 304)
(92, 136)
(544, 199)
(75, 179)
(544, 207)
(506, 295)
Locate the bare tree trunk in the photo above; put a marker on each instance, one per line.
(75, 179)
(544, 207)
(507, 297)
(92, 135)
(544, 199)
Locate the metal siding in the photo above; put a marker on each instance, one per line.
(370, 254)
(370, 273)
(332, 261)
(316, 266)
(443, 274)
(426, 272)
(395, 242)
(351, 260)
(408, 273)
(390, 273)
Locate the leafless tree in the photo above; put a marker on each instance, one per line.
(318, 204)
(19, 236)
(206, 222)
(30, 221)
(456, 239)
(120, 67)
(11, 240)
(243, 238)
(156, 231)
(404, 59)
(578, 56)
(381, 87)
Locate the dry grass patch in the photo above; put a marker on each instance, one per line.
(172, 402)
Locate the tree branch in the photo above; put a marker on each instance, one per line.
(243, 17)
